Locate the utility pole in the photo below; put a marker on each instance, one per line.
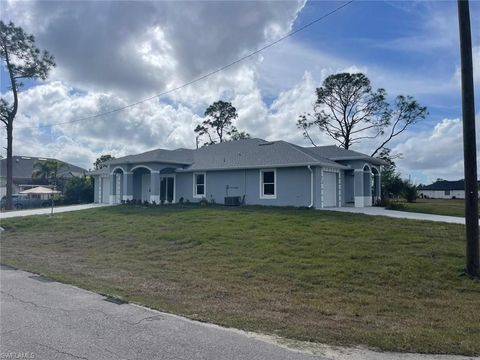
(469, 142)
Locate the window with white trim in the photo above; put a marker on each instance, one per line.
(199, 185)
(268, 186)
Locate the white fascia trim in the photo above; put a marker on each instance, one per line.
(117, 168)
(268, 197)
(142, 166)
(276, 166)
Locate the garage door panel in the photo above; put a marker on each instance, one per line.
(330, 186)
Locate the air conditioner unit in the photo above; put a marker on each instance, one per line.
(233, 201)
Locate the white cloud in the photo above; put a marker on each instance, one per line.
(152, 124)
(112, 53)
(140, 48)
(434, 154)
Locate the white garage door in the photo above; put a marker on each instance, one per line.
(329, 189)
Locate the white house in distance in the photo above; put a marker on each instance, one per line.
(443, 189)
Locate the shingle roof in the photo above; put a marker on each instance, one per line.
(23, 167)
(445, 185)
(251, 153)
(336, 153)
(247, 153)
(178, 156)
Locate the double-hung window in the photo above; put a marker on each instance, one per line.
(268, 184)
(199, 185)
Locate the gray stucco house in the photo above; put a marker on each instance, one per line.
(254, 171)
(23, 167)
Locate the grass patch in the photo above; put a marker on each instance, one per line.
(329, 277)
(449, 207)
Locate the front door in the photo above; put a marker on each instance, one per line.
(167, 189)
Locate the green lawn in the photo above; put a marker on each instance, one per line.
(319, 276)
(451, 207)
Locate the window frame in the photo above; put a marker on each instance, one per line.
(195, 185)
(261, 183)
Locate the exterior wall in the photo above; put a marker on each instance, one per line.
(292, 186)
(348, 188)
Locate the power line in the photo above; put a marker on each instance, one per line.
(91, 117)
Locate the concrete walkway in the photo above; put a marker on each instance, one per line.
(46, 211)
(378, 211)
(50, 320)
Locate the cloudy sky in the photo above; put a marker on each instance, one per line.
(110, 54)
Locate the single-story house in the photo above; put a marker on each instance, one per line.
(443, 189)
(23, 167)
(251, 171)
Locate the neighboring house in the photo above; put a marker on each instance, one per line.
(23, 167)
(253, 171)
(443, 189)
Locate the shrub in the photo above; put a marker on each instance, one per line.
(78, 189)
(395, 205)
(384, 202)
(410, 192)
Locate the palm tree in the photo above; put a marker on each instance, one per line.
(48, 170)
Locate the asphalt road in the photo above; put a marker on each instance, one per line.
(42, 319)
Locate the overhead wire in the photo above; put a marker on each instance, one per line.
(220, 69)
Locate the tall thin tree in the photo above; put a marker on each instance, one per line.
(350, 111)
(23, 60)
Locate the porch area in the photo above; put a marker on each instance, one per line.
(142, 183)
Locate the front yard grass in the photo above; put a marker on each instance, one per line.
(336, 278)
(449, 207)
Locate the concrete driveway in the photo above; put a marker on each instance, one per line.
(378, 211)
(46, 211)
(44, 319)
